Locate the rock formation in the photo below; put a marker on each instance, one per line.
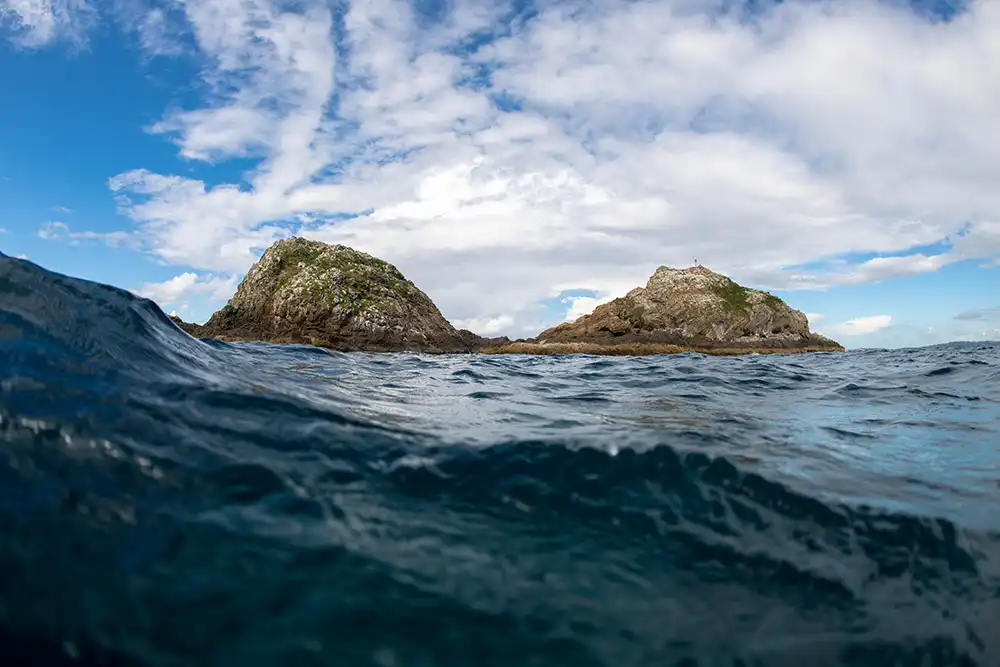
(692, 308)
(332, 296)
(192, 329)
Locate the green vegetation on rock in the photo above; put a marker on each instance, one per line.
(735, 298)
(772, 301)
(346, 278)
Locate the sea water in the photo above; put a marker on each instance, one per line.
(170, 501)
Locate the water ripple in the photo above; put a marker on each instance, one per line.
(166, 501)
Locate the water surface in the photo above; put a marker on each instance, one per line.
(169, 501)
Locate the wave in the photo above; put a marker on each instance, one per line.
(170, 501)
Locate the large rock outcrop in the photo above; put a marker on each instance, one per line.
(303, 291)
(693, 308)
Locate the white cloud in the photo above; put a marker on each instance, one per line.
(50, 231)
(157, 30)
(169, 290)
(272, 80)
(583, 305)
(59, 231)
(814, 317)
(634, 134)
(859, 326)
(185, 285)
(38, 22)
(487, 326)
(22, 256)
(912, 334)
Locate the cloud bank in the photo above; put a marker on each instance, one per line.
(502, 157)
(861, 325)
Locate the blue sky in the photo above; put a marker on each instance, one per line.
(522, 161)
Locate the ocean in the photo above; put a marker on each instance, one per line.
(168, 501)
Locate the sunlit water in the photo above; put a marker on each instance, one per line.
(168, 501)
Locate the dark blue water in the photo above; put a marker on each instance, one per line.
(168, 501)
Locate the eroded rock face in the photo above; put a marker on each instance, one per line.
(303, 291)
(693, 307)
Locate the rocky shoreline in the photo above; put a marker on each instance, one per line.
(533, 347)
(332, 296)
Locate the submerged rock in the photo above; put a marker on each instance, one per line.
(692, 308)
(332, 296)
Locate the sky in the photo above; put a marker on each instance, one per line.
(521, 161)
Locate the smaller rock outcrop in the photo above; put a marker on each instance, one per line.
(477, 342)
(686, 309)
(332, 296)
(192, 329)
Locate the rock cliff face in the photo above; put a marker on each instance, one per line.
(303, 291)
(693, 308)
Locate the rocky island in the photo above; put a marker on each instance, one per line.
(693, 309)
(332, 296)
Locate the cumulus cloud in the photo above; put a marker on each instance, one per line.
(859, 326)
(525, 155)
(169, 290)
(488, 326)
(583, 305)
(187, 284)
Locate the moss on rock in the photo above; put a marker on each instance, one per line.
(735, 298)
(772, 301)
